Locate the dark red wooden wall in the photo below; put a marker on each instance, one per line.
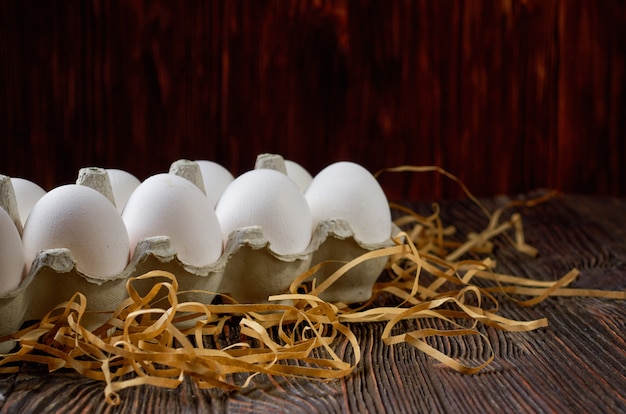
(508, 95)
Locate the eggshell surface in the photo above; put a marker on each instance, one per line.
(11, 254)
(27, 193)
(123, 184)
(346, 190)
(216, 178)
(298, 174)
(172, 206)
(84, 221)
(271, 200)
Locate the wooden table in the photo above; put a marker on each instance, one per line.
(576, 364)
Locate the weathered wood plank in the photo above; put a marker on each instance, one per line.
(577, 364)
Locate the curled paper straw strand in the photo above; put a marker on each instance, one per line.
(154, 338)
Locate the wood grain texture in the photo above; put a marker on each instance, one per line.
(577, 364)
(510, 95)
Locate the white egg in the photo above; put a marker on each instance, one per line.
(216, 178)
(345, 190)
(82, 220)
(298, 174)
(271, 200)
(12, 263)
(27, 193)
(123, 184)
(169, 205)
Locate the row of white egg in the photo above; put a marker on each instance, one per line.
(197, 217)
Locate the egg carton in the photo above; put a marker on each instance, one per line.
(248, 269)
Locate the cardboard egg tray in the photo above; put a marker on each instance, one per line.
(248, 269)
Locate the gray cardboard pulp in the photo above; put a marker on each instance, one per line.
(248, 271)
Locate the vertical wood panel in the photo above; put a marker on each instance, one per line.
(509, 95)
(591, 102)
